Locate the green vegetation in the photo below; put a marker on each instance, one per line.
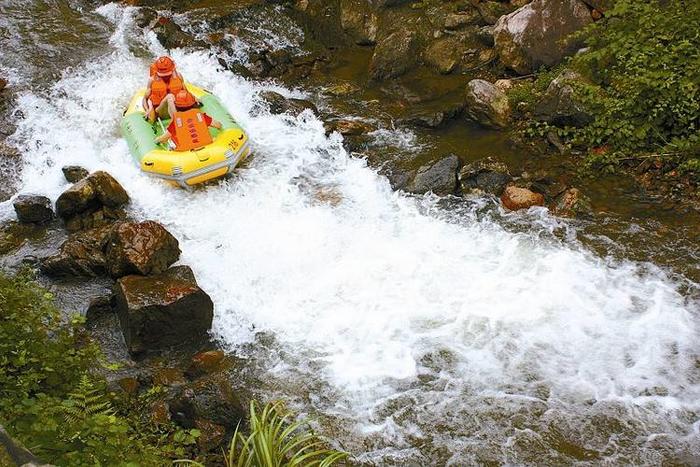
(275, 440)
(642, 70)
(51, 401)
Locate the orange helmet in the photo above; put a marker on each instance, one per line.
(184, 99)
(164, 66)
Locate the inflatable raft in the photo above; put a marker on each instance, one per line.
(185, 168)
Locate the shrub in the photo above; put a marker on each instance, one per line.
(51, 401)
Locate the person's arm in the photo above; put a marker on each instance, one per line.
(146, 103)
(163, 138)
(216, 124)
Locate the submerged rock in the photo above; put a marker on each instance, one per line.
(439, 178)
(486, 104)
(560, 105)
(485, 175)
(515, 198)
(74, 173)
(163, 310)
(140, 248)
(539, 34)
(205, 362)
(572, 203)
(210, 398)
(33, 209)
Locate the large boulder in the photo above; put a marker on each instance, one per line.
(81, 255)
(439, 178)
(515, 198)
(33, 208)
(394, 55)
(163, 310)
(486, 104)
(539, 33)
(91, 202)
(140, 248)
(485, 175)
(560, 105)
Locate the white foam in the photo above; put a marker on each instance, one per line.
(367, 283)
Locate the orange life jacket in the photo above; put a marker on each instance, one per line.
(160, 88)
(191, 130)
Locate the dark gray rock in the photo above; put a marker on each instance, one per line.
(486, 175)
(79, 256)
(440, 177)
(164, 310)
(33, 209)
(92, 202)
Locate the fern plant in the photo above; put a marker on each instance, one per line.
(277, 441)
(85, 402)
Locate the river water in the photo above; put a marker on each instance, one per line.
(416, 331)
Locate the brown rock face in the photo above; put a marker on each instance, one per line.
(537, 34)
(515, 198)
(80, 255)
(140, 248)
(33, 208)
(160, 311)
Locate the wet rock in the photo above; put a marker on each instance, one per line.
(490, 11)
(539, 34)
(435, 118)
(394, 55)
(33, 209)
(515, 198)
(170, 34)
(74, 173)
(168, 377)
(99, 306)
(211, 434)
(347, 127)
(486, 104)
(93, 201)
(572, 203)
(3, 84)
(140, 248)
(560, 105)
(163, 310)
(461, 19)
(485, 35)
(485, 175)
(210, 399)
(278, 104)
(10, 170)
(439, 178)
(359, 19)
(204, 363)
(81, 255)
(444, 55)
(129, 385)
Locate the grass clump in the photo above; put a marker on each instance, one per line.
(275, 440)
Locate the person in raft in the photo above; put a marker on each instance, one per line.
(189, 128)
(164, 82)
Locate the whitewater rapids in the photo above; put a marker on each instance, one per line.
(418, 333)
